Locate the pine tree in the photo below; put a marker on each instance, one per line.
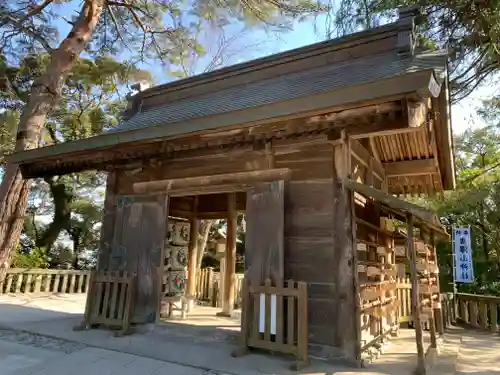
(143, 28)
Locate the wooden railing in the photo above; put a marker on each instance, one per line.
(51, 281)
(449, 309)
(473, 310)
(275, 318)
(209, 287)
(44, 281)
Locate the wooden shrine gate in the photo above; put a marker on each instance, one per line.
(264, 235)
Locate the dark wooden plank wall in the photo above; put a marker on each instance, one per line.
(138, 241)
(108, 221)
(309, 254)
(132, 239)
(264, 255)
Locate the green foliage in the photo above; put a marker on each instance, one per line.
(35, 258)
(142, 30)
(468, 28)
(475, 202)
(91, 103)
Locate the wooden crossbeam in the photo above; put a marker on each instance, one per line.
(205, 184)
(410, 168)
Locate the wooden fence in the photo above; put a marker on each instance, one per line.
(474, 310)
(109, 301)
(403, 295)
(275, 318)
(405, 316)
(44, 281)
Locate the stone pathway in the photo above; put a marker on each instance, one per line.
(39, 341)
(15, 357)
(479, 354)
(31, 354)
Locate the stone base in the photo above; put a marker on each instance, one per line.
(332, 354)
(224, 314)
(189, 304)
(431, 357)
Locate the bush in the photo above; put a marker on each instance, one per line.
(29, 258)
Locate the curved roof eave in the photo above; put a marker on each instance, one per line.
(349, 97)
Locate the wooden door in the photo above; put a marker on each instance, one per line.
(264, 232)
(138, 243)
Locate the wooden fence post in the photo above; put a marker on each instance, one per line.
(494, 317)
(302, 335)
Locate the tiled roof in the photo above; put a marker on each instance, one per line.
(291, 86)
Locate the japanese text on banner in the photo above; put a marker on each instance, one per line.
(462, 251)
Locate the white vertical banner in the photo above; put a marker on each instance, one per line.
(262, 315)
(462, 255)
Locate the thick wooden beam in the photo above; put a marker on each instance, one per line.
(192, 256)
(365, 158)
(415, 299)
(189, 185)
(373, 146)
(357, 112)
(410, 167)
(382, 126)
(417, 112)
(230, 269)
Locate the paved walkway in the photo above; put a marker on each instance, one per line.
(23, 359)
(479, 354)
(36, 337)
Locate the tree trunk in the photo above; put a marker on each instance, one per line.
(44, 95)
(203, 234)
(76, 250)
(481, 216)
(62, 214)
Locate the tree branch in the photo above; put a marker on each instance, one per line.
(113, 19)
(37, 9)
(485, 171)
(29, 32)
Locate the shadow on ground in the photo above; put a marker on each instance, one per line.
(186, 344)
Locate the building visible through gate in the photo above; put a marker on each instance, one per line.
(312, 144)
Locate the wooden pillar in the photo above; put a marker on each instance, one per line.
(432, 321)
(415, 301)
(222, 281)
(347, 329)
(192, 256)
(108, 222)
(230, 258)
(438, 309)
